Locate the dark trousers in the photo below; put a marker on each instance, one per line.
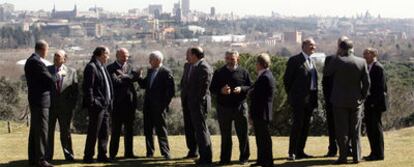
(226, 116)
(300, 127)
(263, 142)
(348, 127)
(332, 148)
(122, 115)
(97, 130)
(156, 120)
(38, 133)
(64, 117)
(375, 134)
(198, 119)
(189, 130)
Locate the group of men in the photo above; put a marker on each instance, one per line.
(354, 91)
(109, 93)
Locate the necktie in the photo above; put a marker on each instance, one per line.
(153, 74)
(108, 89)
(313, 74)
(190, 69)
(58, 81)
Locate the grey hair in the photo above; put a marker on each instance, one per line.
(232, 52)
(307, 41)
(157, 55)
(41, 44)
(264, 60)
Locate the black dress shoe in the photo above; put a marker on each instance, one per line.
(338, 162)
(303, 155)
(224, 163)
(243, 162)
(130, 156)
(190, 156)
(167, 157)
(104, 159)
(88, 160)
(373, 158)
(291, 157)
(44, 164)
(203, 162)
(256, 164)
(330, 154)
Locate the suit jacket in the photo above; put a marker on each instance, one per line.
(94, 89)
(123, 82)
(376, 99)
(261, 96)
(327, 81)
(159, 95)
(297, 81)
(67, 98)
(198, 91)
(350, 80)
(184, 80)
(39, 82)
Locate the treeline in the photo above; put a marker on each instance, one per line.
(400, 79)
(15, 38)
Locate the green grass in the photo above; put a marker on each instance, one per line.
(399, 146)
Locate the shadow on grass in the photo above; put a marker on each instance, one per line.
(178, 162)
(315, 162)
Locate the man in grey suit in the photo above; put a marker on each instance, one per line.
(199, 102)
(301, 85)
(349, 90)
(39, 83)
(64, 96)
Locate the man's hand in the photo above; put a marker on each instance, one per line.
(225, 90)
(237, 90)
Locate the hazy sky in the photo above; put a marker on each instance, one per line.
(387, 8)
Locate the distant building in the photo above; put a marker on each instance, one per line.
(93, 29)
(222, 38)
(185, 7)
(155, 10)
(71, 14)
(293, 37)
(6, 11)
(212, 11)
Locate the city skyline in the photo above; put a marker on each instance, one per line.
(389, 9)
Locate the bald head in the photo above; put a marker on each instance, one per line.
(309, 46)
(341, 39)
(41, 48)
(122, 55)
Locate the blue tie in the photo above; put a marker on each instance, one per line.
(154, 73)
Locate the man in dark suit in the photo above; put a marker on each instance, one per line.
(301, 85)
(230, 84)
(327, 89)
(125, 103)
(98, 95)
(350, 88)
(199, 102)
(189, 130)
(375, 105)
(64, 99)
(159, 90)
(261, 107)
(39, 83)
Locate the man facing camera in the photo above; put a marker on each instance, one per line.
(98, 95)
(64, 98)
(261, 107)
(230, 84)
(125, 103)
(159, 90)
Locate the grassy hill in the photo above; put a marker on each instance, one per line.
(399, 146)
